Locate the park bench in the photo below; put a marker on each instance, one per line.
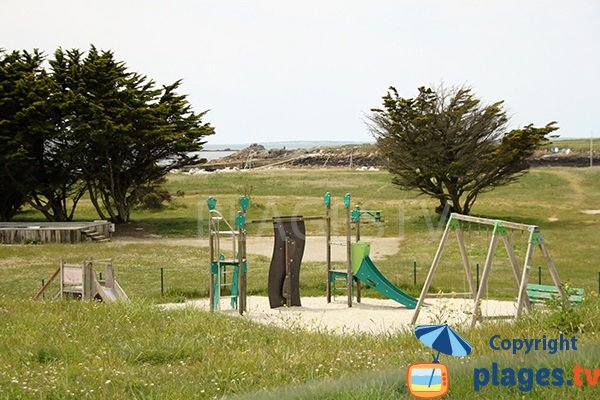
(542, 293)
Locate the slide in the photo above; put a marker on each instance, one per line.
(371, 276)
(110, 294)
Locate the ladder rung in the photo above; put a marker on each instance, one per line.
(229, 262)
(227, 233)
(337, 243)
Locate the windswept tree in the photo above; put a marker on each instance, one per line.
(446, 144)
(88, 124)
(131, 132)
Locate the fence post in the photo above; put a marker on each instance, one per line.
(414, 272)
(162, 281)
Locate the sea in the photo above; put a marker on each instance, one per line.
(213, 155)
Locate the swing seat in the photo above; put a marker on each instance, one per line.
(543, 293)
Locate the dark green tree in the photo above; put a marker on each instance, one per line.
(446, 144)
(132, 133)
(22, 125)
(57, 180)
(88, 125)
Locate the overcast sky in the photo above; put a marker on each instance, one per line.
(311, 70)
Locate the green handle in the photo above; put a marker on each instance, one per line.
(244, 203)
(212, 203)
(347, 200)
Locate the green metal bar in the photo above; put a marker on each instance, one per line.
(540, 275)
(162, 281)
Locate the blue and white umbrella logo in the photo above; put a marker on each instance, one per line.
(443, 339)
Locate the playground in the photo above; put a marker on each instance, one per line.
(318, 342)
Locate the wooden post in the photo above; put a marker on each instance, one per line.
(349, 254)
(62, 279)
(328, 244)
(525, 275)
(110, 275)
(552, 268)
(434, 265)
(211, 251)
(513, 262)
(86, 292)
(358, 283)
(484, 277)
(48, 282)
(162, 282)
(241, 272)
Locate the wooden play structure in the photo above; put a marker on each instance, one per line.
(82, 282)
(227, 274)
(228, 267)
(521, 275)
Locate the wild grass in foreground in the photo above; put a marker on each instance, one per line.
(69, 349)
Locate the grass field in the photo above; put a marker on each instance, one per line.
(51, 349)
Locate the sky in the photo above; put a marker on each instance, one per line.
(276, 70)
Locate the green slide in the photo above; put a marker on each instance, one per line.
(365, 270)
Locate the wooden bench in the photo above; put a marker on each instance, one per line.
(542, 293)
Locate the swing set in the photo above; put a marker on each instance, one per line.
(521, 275)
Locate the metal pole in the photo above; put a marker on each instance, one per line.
(44, 295)
(539, 275)
(162, 281)
(414, 272)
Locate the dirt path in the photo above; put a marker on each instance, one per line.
(576, 185)
(315, 249)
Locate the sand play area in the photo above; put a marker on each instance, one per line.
(373, 316)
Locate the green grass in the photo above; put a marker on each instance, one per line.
(573, 144)
(89, 350)
(52, 349)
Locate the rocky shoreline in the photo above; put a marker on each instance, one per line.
(256, 156)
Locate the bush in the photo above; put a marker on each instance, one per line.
(155, 199)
